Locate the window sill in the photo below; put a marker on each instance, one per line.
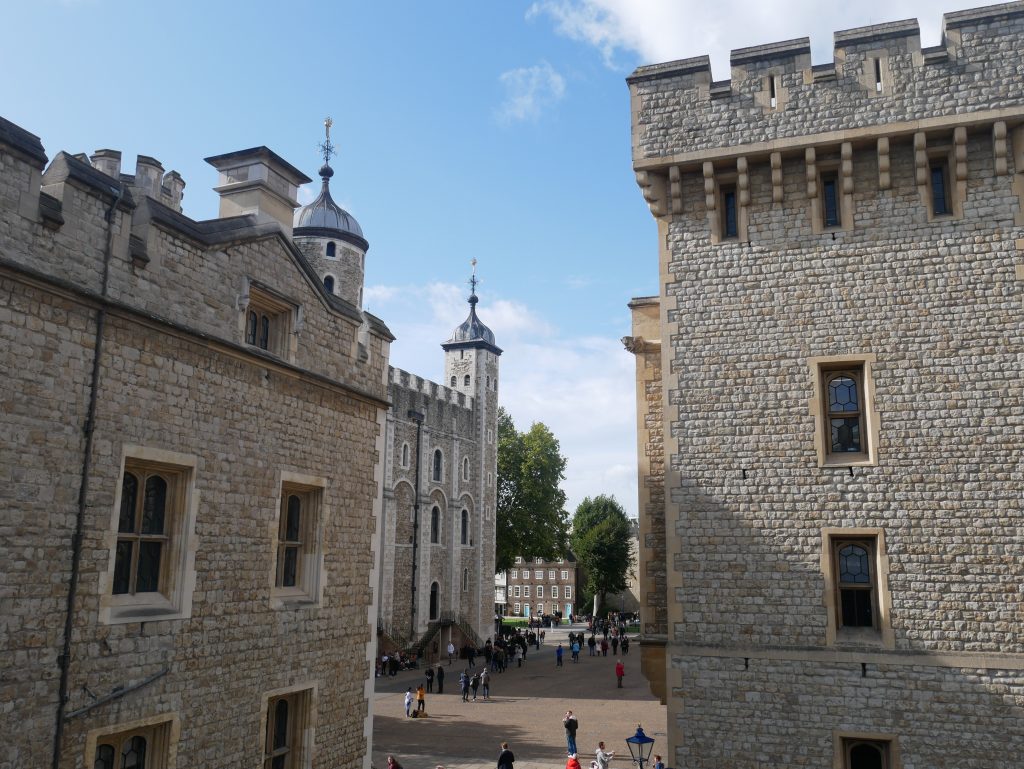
(153, 608)
(852, 637)
(859, 459)
(287, 599)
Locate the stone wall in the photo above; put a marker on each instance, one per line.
(175, 375)
(754, 674)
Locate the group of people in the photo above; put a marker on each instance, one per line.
(602, 756)
(390, 664)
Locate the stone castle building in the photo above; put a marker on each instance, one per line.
(196, 432)
(440, 460)
(830, 415)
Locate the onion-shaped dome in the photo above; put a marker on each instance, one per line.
(325, 218)
(472, 332)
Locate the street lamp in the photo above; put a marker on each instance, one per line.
(640, 746)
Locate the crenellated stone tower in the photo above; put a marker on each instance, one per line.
(829, 414)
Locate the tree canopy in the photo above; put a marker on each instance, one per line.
(600, 542)
(531, 517)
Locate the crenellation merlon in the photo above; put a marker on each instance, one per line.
(777, 98)
(433, 390)
(877, 34)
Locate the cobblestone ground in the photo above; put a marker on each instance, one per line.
(526, 711)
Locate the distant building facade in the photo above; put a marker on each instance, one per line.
(194, 428)
(829, 422)
(535, 587)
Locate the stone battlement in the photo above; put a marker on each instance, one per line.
(880, 75)
(433, 390)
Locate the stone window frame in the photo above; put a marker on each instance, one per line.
(830, 168)
(818, 367)
(265, 312)
(405, 456)
(842, 741)
(334, 282)
(464, 527)
(835, 633)
(302, 705)
(722, 181)
(465, 468)
(178, 574)
(943, 155)
(309, 589)
(454, 381)
(330, 250)
(465, 580)
(162, 733)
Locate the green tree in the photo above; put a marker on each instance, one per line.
(531, 517)
(600, 542)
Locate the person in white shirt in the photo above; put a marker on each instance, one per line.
(408, 702)
(604, 757)
(451, 653)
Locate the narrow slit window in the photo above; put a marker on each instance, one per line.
(772, 93)
(730, 222)
(435, 526)
(878, 75)
(830, 200)
(940, 189)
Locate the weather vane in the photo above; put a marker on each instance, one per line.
(472, 280)
(327, 147)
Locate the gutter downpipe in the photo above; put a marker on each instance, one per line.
(418, 417)
(89, 428)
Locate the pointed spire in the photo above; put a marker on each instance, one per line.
(472, 287)
(327, 150)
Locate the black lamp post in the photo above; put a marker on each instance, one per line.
(640, 746)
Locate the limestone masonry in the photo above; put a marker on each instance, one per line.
(830, 417)
(201, 438)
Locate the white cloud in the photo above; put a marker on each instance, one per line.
(663, 30)
(581, 388)
(528, 91)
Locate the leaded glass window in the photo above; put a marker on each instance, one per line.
(845, 411)
(104, 757)
(133, 753)
(290, 531)
(940, 192)
(141, 532)
(855, 582)
(730, 223)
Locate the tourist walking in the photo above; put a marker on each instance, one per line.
(591, 643)
(474, 684)
(604, 647)
(440, 679)
(604, 757)
(421, 699)
(430, 679)
(571, 724)
(506, 758)
(620, 671)
(464, 684)
(615, 644)
(576, 650)
(658, 763)
(485, 682)
(451, 653)
(625, 644)
(558, 656)
(408, 702)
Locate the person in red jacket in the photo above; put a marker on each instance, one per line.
(573, 762)
(620, 671)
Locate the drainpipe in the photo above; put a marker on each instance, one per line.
(417, 417)
(88, 429)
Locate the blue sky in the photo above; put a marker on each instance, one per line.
(495, 130)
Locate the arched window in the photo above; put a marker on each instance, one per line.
(250, 328)
(466, 381)
(465, 527)
(435, 526)
(437, 465)
(405, 455)
(104, 757)
(329, 283)
(433, 601)
(866, 754)
(465, 468)
(331, 250)
(264, 339)
(140, 535)
(856, 584)
(453, 381)
(465, 580)
(133, 753)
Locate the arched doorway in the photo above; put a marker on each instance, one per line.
(433, 600)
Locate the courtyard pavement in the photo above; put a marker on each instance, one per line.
(526, 709)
